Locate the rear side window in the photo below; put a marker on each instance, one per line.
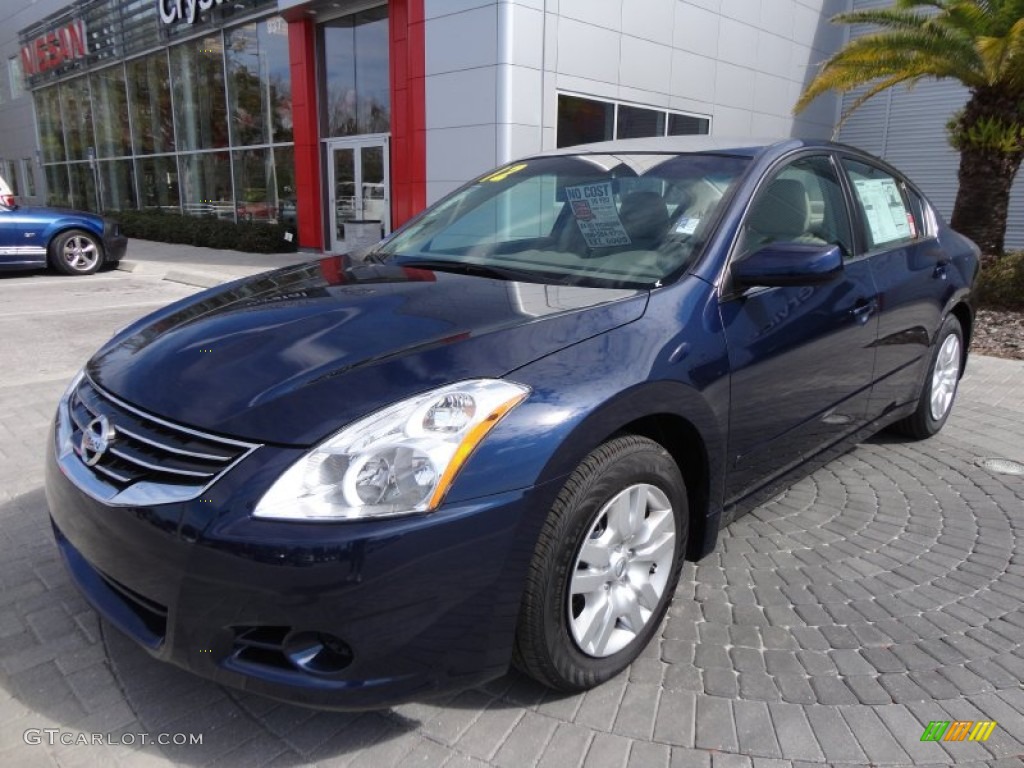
(888, 217)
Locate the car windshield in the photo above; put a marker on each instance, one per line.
(605, 220)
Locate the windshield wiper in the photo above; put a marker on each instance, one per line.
(484, 270)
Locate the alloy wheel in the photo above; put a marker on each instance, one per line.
(622, 570)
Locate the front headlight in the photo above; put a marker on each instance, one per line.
(397, 461)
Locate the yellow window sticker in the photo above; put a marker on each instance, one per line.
(503, 173)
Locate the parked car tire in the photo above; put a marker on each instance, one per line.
(605, 567)
(76, 252)
(940, 385)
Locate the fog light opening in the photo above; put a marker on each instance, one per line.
(317, 652)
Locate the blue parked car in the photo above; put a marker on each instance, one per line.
(495, 440)
(72, 242)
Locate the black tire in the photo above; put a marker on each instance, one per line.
(545, 648)
(76, 252)
(923, 422)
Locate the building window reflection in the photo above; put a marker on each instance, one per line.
(82, 187)
(117, 184)
(355, 76)
(259, 83)
(110, 113)
(205, 183)
(57, 185)
(51, 134)
(149, 86)
(158, 182)
(151, 122)
(197, 81)
(76, 115)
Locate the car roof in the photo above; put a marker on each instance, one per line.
(681, 144)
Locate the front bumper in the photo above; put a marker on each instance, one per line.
(424, 604)
(114, 247)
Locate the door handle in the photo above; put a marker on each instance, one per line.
(940, 269)
(863, 310)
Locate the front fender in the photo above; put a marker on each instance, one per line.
(583, 395)
(64, 223)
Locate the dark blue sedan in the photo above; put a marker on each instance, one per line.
(72, 242)
(495, 440)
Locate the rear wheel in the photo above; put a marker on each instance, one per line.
(606, 566)
(940, 385)
(76, 252)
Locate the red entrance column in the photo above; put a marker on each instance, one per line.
(408, 120)
(306, 132)
(408, 110)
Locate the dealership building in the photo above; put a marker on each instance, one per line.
(343, 118)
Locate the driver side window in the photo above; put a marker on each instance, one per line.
(802, 203)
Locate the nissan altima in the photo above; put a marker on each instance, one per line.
(494, 440)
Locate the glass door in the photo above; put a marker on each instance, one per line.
(358, 190)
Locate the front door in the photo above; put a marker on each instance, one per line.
(802, 357)
(358, 188)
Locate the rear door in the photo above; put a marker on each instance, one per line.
(909, 268)
(802, 357)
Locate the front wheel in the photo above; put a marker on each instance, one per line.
(76, 252)
(605, 567)
(940, 386)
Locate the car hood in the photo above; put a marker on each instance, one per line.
(293, 355)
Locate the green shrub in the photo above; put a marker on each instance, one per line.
(1001, 284)
(204, 231)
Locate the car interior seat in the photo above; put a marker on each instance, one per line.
(644, 216)
(782, 213)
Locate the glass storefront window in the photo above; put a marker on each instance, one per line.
(117, 178)
(149, 87)
(284, 172)
(206, 185)
(110, 113)
(355, 74)
(76, 114)
(259, 82)
(29, 172)
(57, 192)
(51, 133)
(200, 108)
(152, 121)
(255, 185)
(158, 181)
(83, 187)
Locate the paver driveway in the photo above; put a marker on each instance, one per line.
(830, 626)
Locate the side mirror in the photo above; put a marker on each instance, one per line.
(782, 264)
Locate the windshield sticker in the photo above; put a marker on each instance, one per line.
(503, 173)
(687, 226)
(593, 206)
(883, 204)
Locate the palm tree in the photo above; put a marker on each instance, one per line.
(981, 44)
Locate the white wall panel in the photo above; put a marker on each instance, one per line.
(645, 65)
(462, 40)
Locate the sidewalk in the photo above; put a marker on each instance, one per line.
(202, 267)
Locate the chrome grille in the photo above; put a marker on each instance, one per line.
(168, 462)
